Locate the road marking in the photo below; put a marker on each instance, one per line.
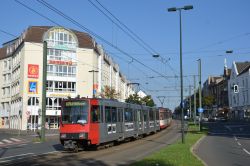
(8, 141)
(49, 152)
(22, 144)
(239, 143)
(246, 151)
(235, 138)
(1, 143)
(17, 156)
(14, 139)
(4, 161)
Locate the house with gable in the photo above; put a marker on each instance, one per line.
(239, 101)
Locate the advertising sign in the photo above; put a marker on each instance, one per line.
(33, 71)
(32, 87)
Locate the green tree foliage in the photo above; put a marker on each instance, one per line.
(135, 99)
(208, 101)
(148, 100)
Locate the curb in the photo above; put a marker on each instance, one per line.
(195, 146)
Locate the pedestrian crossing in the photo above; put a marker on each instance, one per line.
(11, 141)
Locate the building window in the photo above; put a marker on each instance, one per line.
(61, 86)
(33, 101)
(62, 71)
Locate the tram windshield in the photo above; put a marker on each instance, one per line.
(75, 112)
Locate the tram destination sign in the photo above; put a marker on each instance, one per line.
(75, 103)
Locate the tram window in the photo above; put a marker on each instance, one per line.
(128, 116)
(101, 114)
(95, 114)
(119, 111)
(145, 112)
(139, 115)
(107, 114)
(114, 115)
(151, 115)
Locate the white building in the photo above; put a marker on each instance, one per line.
(70, 56)
(239, 103)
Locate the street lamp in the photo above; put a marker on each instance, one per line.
(189, 7)
(93, 71)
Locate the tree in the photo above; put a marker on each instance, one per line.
(208, 101)
(109, 93)
(148, 100)
(134, 99)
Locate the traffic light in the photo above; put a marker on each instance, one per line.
(236, 89)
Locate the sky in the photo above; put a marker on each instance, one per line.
(208, 31)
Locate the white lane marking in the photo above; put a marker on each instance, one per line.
(235, 138)
(14, 139)
(246, 151)
(17, 156)
(5, 161)
(8, 141)
(239, 143)
(50, 152)
(22, 144)
(1, 143)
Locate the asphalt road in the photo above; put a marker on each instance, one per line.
(51, 153)
(227, 144)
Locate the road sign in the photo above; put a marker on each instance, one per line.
(200, 110)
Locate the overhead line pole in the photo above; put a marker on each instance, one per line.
(194, 100)
(200, 97)
(44, 90)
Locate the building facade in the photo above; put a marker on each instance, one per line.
(217, 88)
(71, 56)
(239, 102)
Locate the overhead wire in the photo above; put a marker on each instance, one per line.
(142, 43)
(94, 34)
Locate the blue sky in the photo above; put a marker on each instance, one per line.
(210, 29)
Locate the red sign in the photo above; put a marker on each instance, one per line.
(60, 62)
(95, 86)
(33, 71)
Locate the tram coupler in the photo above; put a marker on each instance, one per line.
(70, 145)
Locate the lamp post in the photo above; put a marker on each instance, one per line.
(200, 103)
(93, 71)
(181, 76)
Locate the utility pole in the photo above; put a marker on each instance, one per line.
(44, 90)
(190, 101)
(200, 104)
(93, 92)
(194, 100)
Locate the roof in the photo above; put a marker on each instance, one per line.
(242, 67)
(35, 34)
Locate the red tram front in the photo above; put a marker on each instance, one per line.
(78, 118)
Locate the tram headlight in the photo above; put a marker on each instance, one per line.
(63, 135)
(83, 135)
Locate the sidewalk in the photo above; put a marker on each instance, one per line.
(30, 134)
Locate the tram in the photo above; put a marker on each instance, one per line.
(95, 122)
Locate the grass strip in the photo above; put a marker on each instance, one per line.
(177, 154)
